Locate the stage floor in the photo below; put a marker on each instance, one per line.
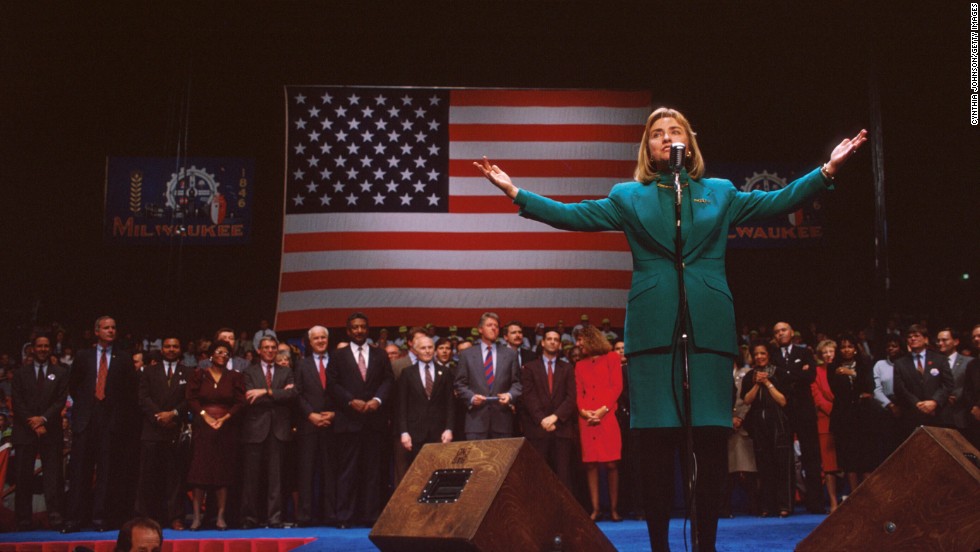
(743, 533)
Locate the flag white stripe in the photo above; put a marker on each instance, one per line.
(411, 222)
(478, 186)
(458, 298)
(509, 115)
(616, 151)
(456, 260)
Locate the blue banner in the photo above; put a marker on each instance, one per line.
(801, 228)
(155, 200)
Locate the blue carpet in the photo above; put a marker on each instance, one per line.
(742, 534)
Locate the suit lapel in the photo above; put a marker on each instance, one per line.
(647, 209)
(416, 379)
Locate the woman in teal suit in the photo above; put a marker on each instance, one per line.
(643, 210)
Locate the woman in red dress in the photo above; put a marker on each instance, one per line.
(215, 395)
(823, 398)
(598, 385)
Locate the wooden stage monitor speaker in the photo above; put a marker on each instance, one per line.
(484, 496)
(925, 496)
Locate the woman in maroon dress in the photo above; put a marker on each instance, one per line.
(215, 395)
(598, 385)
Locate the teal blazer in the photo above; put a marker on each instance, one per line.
(640, 212)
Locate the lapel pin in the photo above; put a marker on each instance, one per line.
(51, 377)
(934, 372)
(700, 200)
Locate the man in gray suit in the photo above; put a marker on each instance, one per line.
(955, 413)
(270, 393)
(488, 380)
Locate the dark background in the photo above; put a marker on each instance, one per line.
(762, 82)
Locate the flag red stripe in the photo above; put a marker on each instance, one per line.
(549, 98)
(545, 133)
(582, 168)
(501, 204)
(454, 279)
(439, 316)
(461, 241)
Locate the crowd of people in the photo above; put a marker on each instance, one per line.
(249, 431)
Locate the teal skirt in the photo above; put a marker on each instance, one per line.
(655, 380)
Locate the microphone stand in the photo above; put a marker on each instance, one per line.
(681, 342)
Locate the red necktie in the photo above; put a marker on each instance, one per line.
(551, 375)
(918, 363)
(101, 377)
(268, 376)
(40, 378)
(428, 381)
(323, 373)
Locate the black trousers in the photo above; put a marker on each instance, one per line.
(805, 427)
(558, 453)
(161, 481)
(91, 451)
(359, 475)
(317, 479)
(49, 446)
(658, 447)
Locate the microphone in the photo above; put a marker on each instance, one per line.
(677, 151)
(675, 163)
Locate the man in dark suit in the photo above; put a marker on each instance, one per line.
(38, 393)
(359, 380)
(103, 385)
(317, 462)
(269, 392)
(923, 381)
(514, 336)
(488, 380)
(426, 407)
(549, 412)
(797, 368)
(163, 401)
(399, 457)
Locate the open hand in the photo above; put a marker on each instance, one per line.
(844, 151)
(498, 177)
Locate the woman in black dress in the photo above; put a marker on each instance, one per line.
(852, 420)
(772, 439)
(215, 395)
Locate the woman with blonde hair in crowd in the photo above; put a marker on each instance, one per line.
(823, 398)
(598, 385)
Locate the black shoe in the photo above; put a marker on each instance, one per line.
(276, 525)
(343, 525)
(24, 527)
(69, 528)
(249, 524)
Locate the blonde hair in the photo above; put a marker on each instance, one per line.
(646, 170)
(825, 344)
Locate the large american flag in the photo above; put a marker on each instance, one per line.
(385, 213)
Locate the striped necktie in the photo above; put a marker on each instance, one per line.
(488, 367)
